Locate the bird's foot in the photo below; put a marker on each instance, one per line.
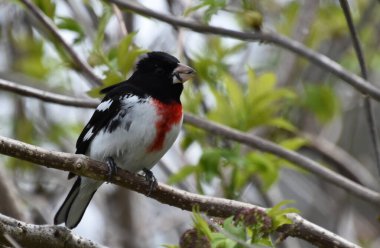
(149, 177)
(112, 168)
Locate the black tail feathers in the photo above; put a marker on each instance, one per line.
(76, 202)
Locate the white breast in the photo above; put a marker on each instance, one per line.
(129, 143)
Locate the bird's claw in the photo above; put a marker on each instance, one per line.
(151, 179)
(112, 168)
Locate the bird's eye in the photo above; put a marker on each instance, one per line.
(158, 69)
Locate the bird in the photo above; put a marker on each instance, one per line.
(135, 124)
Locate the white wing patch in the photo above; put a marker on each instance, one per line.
(88, 134)
(104, 105)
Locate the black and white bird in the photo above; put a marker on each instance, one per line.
(132, 128)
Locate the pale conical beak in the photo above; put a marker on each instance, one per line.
(182, 73)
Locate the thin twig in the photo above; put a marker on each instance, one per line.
(120, 20)
(49, 25)
(47, 96)
(341, 159)
(367, 102)
(298, 159)
(232, 134)
(213, 206)
(323, 61)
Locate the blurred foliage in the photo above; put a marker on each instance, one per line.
(47, 6)
(256, 102)
(322, 101)
(230, 87)
(247, 227)
(118, 60)
(30, 56)
(211, 7)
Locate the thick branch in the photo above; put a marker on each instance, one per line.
(249, 140)
(49, 25)
(319, 59)
(219, 207)
(29, 235)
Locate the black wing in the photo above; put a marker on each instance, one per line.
(103, 118)
(99, 119)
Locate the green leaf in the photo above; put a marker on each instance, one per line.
(265, 166)
(212, 7)
(237, 231)
(209, 163)
(104, 19)
(201, 225)
(322, 101)
(183, 173)
(127, 54)
(282, 123)
(294, 143)
(47, 6)
(67, 23)
(218, 240)
(278, 214)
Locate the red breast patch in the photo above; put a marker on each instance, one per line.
(168, 115)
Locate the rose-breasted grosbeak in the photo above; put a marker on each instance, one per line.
(135, 124)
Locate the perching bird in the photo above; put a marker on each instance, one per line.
(132, 128)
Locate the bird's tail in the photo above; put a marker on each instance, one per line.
(76, 202)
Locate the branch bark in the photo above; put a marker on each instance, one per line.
(319, 59)
(219, 207)
(232, 134)
(29, 235)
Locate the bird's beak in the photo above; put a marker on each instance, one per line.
(182, 73)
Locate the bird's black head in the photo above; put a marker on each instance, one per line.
(161, 75)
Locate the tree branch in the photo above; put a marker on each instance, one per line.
(252, 141)
(298, 159)
(319, 59)
(49, 25)
(219, 207)
(338, 157)
(29, 235)
(10, 204)
(232, 134)
(47, 96)
(367, 102)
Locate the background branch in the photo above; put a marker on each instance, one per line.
(219, 207)
(302, 161)
(232, 134)
(323, 61)
(47, 96)
(29, 235)
(367, 102)
(345, 163)
(10, 204)
(49, 25)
